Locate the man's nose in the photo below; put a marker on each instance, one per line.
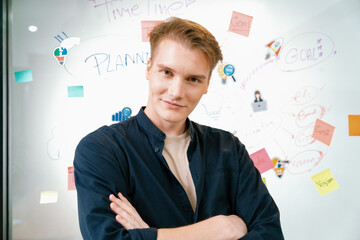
(177, 87)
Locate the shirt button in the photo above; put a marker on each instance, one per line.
(186, 208)
(156, 149)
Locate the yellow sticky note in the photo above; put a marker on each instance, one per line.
(264, 180)
(48, 197)
(325, 182)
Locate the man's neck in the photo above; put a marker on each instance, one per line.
(169, 128)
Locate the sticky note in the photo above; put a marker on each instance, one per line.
(48, 197)
(71, 179)
(146, 28)
(323, 132)
(23, 76)
(75, 91)
(354, 125)
(262, 160)
(240, 23)
(325, 182)
(264, 180)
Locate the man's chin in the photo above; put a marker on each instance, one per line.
(173, 116)
(173, 119)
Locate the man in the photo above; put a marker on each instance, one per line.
(174, 178)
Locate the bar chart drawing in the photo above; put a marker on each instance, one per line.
(122, 115)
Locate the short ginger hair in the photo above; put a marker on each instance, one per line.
(189, 33)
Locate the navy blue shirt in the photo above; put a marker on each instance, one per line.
(127, 157)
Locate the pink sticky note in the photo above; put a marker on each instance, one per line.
(146, 27)
(240, 23)
(71, 179)
(323, 132)
(262, 160)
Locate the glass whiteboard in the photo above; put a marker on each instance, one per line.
(82, 65)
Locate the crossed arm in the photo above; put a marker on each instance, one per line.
(215, 228)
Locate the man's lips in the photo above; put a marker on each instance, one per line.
(172, 103)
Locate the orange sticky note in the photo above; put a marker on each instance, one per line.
(354, 125)
(262, 160)
(71, 179)
(240, 23)
(146, 28)
(323, 132)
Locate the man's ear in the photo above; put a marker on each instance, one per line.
(148, 67)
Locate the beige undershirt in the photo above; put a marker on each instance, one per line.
(175, 154)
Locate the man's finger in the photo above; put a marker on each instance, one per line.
(129, 209)
(130, 220)
(125, 200)
(131, 215)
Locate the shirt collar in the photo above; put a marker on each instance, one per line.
(147, 125)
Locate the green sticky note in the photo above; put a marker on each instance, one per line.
(75, 91)
(23, 76)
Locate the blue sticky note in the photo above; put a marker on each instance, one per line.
(23, 76)
(75, 91)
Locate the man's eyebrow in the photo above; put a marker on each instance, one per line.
(200, 76)
(162, 66)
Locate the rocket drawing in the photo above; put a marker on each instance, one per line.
(274, 48)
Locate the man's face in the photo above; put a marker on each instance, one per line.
(178, 77)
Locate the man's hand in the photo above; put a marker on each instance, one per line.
(219, 227)
(126, 214)
(234, 225)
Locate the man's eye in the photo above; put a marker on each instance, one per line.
(193, 80)
(166, 72)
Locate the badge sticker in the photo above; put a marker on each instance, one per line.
(259, 104)
(226, 70)
(60, 53)
(229, 71)
(122, 115)
(279, 166)
(221, 72)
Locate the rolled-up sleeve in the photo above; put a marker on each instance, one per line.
(253, 202)
(98, 173)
